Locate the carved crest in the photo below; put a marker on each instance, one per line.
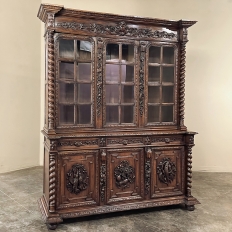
(166, 171)
(120, 29)
(124, 175)
(77, 179)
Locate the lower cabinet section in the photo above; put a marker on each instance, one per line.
(83, 182)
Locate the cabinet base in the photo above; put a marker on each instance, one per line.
(53, 219)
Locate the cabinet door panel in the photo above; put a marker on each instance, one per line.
(167, 171)
(125, 175)
(78, 179)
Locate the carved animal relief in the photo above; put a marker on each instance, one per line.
(77, 179)
(166, 171)
(124, 175)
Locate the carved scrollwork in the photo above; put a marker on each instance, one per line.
(103, 181)
(125, 141)
(166, 171)
(147, 176)
(77, 179)
(124, 175)
(78, 143)
(141, 78)
(120, 29)
(99, 75)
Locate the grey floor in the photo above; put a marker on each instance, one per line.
(20, 190)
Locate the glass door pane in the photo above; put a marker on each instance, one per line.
(75, 82)
(119, 84)
(161, 79)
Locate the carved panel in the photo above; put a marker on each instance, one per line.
(125, 171)
(166, 139)
(166, 174)
(120, 29)
(75, 186)
(166, 170)
(124, 175)
(77, 179)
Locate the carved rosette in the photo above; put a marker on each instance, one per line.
(52, 182)
(166, 171)
(51, 80)
(99, 75)
(141, 78)
(77, 179)
(189, 171)
(124, 175)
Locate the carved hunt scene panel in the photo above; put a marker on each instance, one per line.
(167, 171)
(78, 173)
(125, 175)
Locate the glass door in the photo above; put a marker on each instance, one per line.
(160, 85)
(119, 84)
(75, 82)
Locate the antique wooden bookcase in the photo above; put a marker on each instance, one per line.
(114, 133)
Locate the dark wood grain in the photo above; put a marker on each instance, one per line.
(103, 167)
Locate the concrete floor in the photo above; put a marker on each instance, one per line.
(20, 190)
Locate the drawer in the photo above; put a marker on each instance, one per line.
(124, 141)
(69, 144)
(166, 140)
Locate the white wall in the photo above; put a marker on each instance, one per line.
(19, 84)
(208, 71)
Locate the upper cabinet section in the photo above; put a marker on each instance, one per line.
(106, 71)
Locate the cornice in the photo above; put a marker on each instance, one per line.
(46, 9)
(59, 10)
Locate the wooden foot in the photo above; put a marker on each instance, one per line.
(52, 226)
(190, 207)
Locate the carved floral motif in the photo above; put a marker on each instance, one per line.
(124, 175)
(166, 171)
(77, 179)
(102, 181)
(78, 143)
(120, 29)
(147, 176)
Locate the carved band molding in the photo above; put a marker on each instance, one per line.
(120, 29)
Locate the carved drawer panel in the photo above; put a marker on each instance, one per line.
(72, 144)
(124, 141)
(166, 140)
(125, 175)
(167, 171)
(78, 179)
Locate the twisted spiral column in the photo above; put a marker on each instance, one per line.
(52, 182)
(51, 80)
(182, 81)
(189, 171)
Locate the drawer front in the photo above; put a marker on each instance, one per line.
(167, 140)
(78, 179)
(124, 141)
(167, 171)
(125, 175)
(72, 144)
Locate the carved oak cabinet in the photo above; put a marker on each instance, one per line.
(114, 133)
